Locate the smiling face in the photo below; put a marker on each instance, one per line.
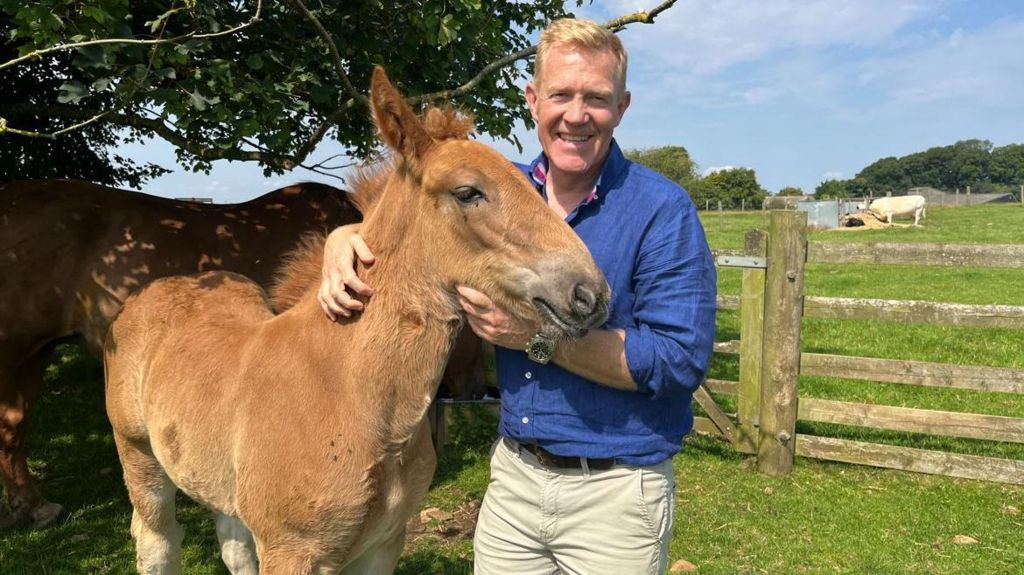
(577, 100)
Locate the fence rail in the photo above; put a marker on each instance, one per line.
(948, 255)
(911, 459)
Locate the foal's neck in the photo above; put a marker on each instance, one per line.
(398, 347)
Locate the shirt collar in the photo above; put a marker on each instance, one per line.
(613, 164)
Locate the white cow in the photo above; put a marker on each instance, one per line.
(886, 208)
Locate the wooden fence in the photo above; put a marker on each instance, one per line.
(772, 304)
(768, 405)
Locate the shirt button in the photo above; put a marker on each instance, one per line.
(526, 420)
(529, 374)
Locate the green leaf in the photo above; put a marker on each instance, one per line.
(448, 30)
(53, 21)
(254, 61)
(155, 25)
(101, 84)
(96, 13)
(72, 92)
(197, 100)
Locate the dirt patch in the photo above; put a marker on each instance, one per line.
(441, 525)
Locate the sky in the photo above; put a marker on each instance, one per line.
(800, 91)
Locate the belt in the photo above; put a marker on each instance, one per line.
(553, 461)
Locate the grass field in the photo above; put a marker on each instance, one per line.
(823, 518)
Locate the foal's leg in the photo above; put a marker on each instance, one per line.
(157, 534)
(237, 548)
(381, 559)
(278, 562)
(21, 380)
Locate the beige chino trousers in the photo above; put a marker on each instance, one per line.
(540, 521)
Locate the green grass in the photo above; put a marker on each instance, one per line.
(823, 518)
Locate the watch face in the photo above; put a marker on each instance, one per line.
(540, 348)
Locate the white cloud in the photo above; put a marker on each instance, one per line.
(707, 36)
(977, 68)
(713, 169)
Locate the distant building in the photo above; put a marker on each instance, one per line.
(196, 200)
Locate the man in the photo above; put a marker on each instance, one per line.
(582, 479)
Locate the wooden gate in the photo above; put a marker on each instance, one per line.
(768, 404)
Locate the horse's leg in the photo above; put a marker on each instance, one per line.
(157, 534)
(20, 383)
(381, 559)
(284, 562)
(237, 548)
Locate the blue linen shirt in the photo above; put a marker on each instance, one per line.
(642, 230)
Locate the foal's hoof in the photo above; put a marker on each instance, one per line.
(39, 518)
(45, 515)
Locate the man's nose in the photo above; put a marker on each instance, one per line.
(577, 111)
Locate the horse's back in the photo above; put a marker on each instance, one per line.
(73, 250)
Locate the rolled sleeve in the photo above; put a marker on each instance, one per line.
(669, 347)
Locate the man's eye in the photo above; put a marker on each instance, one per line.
(468, 195)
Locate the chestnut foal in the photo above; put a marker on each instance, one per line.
(308, 439)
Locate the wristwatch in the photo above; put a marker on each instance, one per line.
(541, 348)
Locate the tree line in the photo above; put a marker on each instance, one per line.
(732, 188)
(968, 163)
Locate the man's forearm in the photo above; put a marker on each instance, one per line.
(600, 357)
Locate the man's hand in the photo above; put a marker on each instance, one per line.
(342, 248)
(491, 323)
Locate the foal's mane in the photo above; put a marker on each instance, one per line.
(300, 270)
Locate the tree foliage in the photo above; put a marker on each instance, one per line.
(791, 191)
(734, 188)
(268, 81)
(974, 163)
(831, 190)
(673, 162)
(83, 154)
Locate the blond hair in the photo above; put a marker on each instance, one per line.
(581, 34)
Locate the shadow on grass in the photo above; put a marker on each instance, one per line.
(472, 430)
(73, 456)
(433, 562)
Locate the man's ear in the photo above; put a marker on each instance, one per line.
(623, 104)
(532, 98)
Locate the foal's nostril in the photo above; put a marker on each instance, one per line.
(584, 300)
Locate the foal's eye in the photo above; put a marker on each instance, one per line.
(468, 195)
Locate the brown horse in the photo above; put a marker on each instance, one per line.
(70, 252)
(308, 438)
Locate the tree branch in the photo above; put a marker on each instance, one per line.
(644, 17)
(332, 48)
(175, 40)
(356, 98)
(615, 25)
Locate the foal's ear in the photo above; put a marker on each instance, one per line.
(399, 127)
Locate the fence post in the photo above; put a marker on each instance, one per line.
(780, 364)
(751, 332)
